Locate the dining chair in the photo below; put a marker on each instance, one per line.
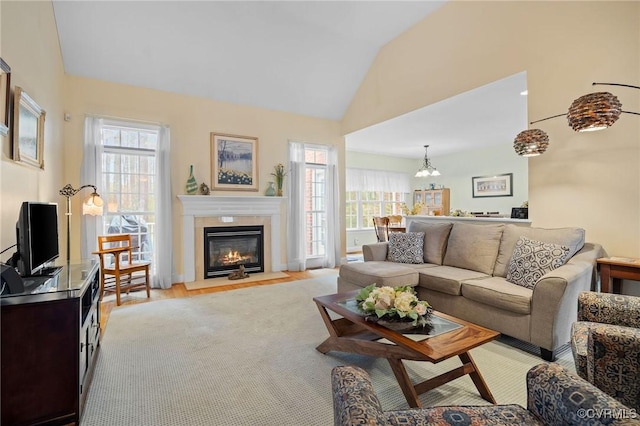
(381, 226)
(118, 269)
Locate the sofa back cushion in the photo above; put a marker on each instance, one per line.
(473, 246)
(435, 239)
(570, 237)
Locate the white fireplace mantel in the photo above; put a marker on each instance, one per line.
(220, 206)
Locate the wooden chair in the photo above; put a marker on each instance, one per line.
(381, 226)
(117, 267)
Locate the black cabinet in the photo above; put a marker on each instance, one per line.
(50, 337)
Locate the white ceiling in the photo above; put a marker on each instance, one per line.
(489, 115)
(305, 57)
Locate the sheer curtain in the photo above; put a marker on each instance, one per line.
(163, 249)
(296, 214)
(90, 173)
(296, 251)
(362, 180)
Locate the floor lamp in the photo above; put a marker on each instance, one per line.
(92, 205)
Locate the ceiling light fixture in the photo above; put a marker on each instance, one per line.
(427, 169)
(596, 111)
(591, 112)
(531, 143)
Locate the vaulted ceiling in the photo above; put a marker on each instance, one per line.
(305, 57)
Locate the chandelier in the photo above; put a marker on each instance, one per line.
(427, 169)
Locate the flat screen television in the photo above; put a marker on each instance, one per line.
(37, 236)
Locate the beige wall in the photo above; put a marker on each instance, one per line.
(29, 44)
(191, 120)
(590, 180)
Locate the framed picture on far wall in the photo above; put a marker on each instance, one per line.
(234, 162)
(28, 130)
(493, 186)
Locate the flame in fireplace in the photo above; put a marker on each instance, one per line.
(232, 257)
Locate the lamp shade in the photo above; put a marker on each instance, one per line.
(594, 111)
(530, 143)
(93, 205)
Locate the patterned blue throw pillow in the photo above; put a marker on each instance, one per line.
(406, 247)
(532, 259)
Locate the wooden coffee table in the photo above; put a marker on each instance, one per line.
(353, 334)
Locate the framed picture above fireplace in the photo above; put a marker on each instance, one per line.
(234, 162)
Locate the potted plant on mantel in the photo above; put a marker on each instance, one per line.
(279, 174)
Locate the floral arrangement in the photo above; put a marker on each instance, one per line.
(279, 174)
(460, 213)
(417, 207)
(394, 303)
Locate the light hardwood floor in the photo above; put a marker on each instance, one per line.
(179, 290)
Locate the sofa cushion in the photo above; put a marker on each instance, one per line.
(406, 247)
(446, 279)
(473, 247)
(532, 259)
(381, 273)
(435, 239)
(499, 293)
(570, 237)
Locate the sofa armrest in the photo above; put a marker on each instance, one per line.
(375, 251)
(612, 362)
(554, 300)
(354, 400)
(606, 308)
(559, 397)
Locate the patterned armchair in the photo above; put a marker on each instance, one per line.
(554, 397)
(606, 344)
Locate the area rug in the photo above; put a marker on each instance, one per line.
(248, 357)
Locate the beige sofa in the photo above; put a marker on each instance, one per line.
(464, 273)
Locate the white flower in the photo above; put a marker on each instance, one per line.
(421, 308)
(404, 300)
(385, 301)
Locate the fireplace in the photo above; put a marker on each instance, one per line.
(227, 247)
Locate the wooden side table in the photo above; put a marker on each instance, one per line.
(614, 269)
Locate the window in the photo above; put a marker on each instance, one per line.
(128, 161)
(363, 206)
(372, 193)
(315, 201)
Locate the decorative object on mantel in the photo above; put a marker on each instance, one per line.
(204, 189)
(427, 169)
(192, 185)
(588, 113)
(397, 308)
(415, 209)
(271, 190)
(279, 174)
(234, 162)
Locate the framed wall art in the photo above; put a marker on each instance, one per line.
(493, 186)
(5, 97)
(28, 130)
(234, 162)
